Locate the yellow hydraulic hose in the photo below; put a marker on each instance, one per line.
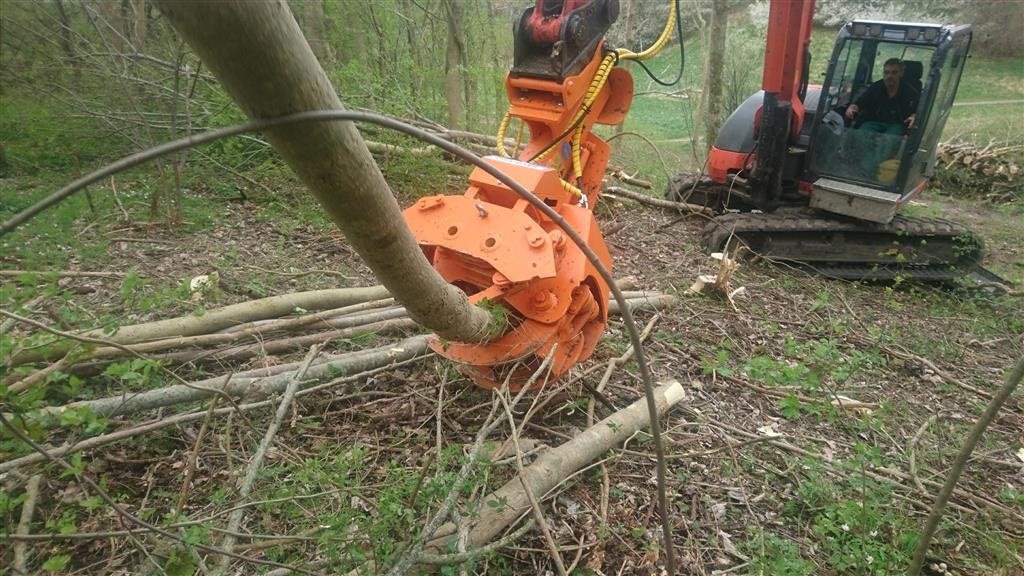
(502, 128)
(519, 136)
(592, 92)
(596, 84)
(651, 52)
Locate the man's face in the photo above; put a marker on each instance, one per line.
(891, 75)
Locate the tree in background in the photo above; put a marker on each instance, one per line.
(714, 79)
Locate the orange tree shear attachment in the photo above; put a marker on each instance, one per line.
(505, 253)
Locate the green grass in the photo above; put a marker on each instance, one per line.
(44, 242)
(40, 137)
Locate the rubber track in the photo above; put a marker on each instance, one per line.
(937, 233)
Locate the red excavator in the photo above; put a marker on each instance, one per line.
(800, 180)
(825, 192)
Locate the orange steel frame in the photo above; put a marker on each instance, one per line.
(501, 250)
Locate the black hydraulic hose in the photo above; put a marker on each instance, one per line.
(682, 53)
(323, 115)
(805, 74)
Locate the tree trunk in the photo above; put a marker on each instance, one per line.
(453, 70)
(716, 66)
(257, 51)
(314, 25)
(412, 30)
(553, 466)
(139, 24)
(67, 43)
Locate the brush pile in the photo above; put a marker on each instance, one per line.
(992, 172)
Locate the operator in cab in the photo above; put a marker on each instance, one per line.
(887, 106)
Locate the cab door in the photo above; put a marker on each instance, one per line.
(936, 102)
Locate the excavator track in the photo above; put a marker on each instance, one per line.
(923, 249)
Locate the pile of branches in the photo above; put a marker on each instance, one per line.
(241, 332)
(991, 173)
(281, 324)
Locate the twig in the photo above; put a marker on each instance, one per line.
(650, 143)
(412, 554)
(9, 323)
(117, 533)
(930, 525)
(62, 274)
(190, 469)
(300, 274)
(459, 558)
(621, 176)
(159, 424)
(28, 510)
(912, 451)
(143, 241)
(657, 202)
(128, 516)
(236, 174)
(272, 541)
(896, 477)
(930, 365)
(117, 200)
(228, 543)
(41, 375)
(538, 514)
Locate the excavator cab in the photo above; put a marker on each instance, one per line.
(867, 170)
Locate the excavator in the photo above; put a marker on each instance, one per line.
(783, 153)
(797, 179)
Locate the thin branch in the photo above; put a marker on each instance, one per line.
(28, 509)
(235, 520)
(131, 518)
(460, 557)
(538, 514)
(159, 424)
(930, 525)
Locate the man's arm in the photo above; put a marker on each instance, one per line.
(865, 99)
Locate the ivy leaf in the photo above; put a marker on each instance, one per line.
(56, 563)
(790, 407)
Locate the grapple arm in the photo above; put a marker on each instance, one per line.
(501, 250)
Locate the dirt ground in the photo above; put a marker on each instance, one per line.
(766, 474)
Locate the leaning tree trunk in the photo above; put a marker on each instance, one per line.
(256, 50)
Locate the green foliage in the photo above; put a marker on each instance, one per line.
(774, 372)
(83, 418)
(499, 314)
(776, 556)
(180, 563)
(718, 365)
(65, 523)
(8, 503)
(56, 563)
(136, 372)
